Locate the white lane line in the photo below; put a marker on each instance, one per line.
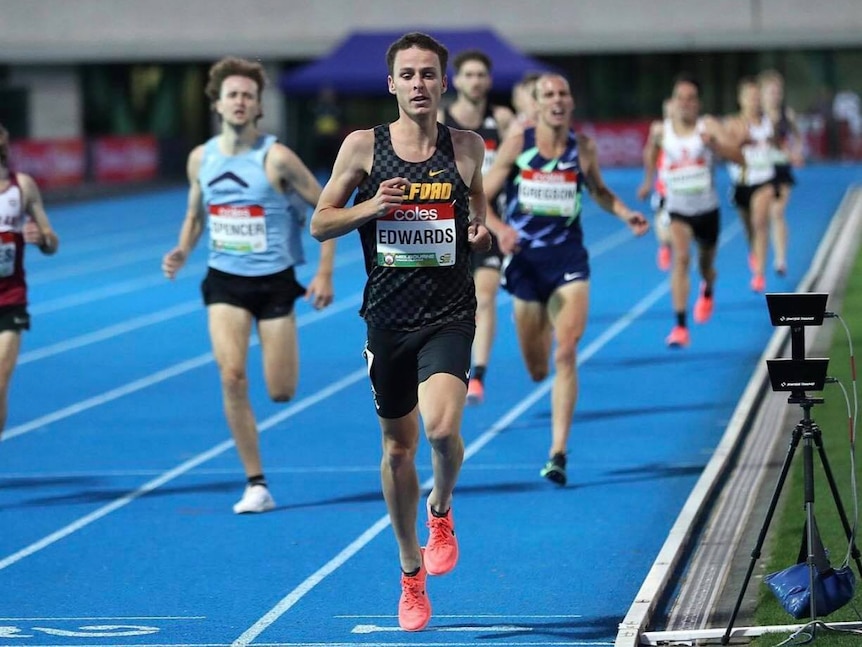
(370, 629)
(507, 616)
(271, 616)
(40, 618)
(109, 332)
(181, 469)
(358, 643)
(113, 290)
(137, 323)
(159, 376)
(193, 271)
(130, 256)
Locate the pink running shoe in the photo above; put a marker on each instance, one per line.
(441, 552)
(758, 283)
(679, 337)
(475, 392)
(703, 307)
(663, 258)
(414, 607)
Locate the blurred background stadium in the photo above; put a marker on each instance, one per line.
(110, 92)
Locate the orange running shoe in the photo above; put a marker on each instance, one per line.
(441, 552)
(475, 391)
(414, 607)
(703, 307)
(758, 283)
(662, 258)
(679, 337)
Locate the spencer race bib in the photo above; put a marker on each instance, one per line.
(237, 229)
(417, 235)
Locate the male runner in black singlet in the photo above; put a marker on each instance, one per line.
(419, 210)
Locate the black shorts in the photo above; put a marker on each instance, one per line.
(265, 297)
(399, 361)
(14, 318)
(704, 226)
(783, 176)
(492, 259)
(741, 196)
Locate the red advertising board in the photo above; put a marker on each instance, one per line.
(619, 143)
(53, 163)
(125, 158)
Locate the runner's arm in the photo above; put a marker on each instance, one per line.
(600, 191)
(193, 223)
(293, 173)
(352, 165)
(42, 234)
(650, 158)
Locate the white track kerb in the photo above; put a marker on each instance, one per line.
(832, 262)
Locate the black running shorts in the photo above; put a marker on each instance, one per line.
(492, 259)
(399, 361)
(265, 297)
(14, 318)
(704, 226)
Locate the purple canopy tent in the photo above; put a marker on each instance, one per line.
(357, 66)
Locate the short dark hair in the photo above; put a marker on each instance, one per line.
(422, 41)
(746, 80)
(471, 55)
(685, 77)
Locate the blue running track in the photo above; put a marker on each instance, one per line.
(117, 474)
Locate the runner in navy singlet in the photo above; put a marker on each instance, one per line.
(544, 170)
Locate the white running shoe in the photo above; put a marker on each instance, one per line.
(256, 498)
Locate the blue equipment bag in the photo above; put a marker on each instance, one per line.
(833, 588)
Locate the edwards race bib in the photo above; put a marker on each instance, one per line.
(417, 235)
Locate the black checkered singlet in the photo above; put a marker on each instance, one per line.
(415, 297)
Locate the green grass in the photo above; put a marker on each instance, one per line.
(787, 528)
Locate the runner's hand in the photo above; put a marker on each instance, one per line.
(320, 293)
(637, 223)
(507, 240)
(390, 194)
(173, 261)
(478, 236)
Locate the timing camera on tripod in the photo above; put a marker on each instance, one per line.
(811, 587)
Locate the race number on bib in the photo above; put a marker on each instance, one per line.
(490, 156)
(237, 229)
(688, 178)
(417, 235)
(553, 193)
(758, 157)
(8, 253)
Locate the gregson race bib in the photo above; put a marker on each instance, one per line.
(554, 193)
(417, 235)
(237, 229)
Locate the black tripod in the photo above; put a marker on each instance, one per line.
(809, 433)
